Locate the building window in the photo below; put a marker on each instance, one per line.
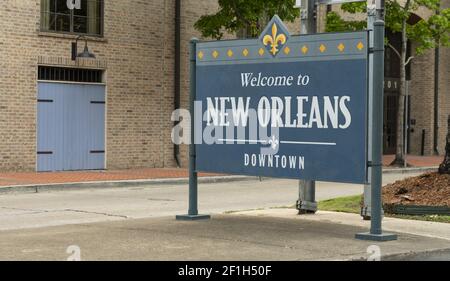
(56, 16)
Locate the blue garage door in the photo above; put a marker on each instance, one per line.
(70, 127)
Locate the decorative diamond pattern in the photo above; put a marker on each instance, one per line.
(305, 49)
(261, 51)
(287, 50)
(360, 46)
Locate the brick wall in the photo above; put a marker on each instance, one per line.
(422, 102)
(138, 50)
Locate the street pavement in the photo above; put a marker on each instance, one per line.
(247, 224)
(30, 210)
(226, 237)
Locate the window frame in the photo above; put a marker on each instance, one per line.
(72, 15)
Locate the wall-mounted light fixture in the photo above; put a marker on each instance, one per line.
(85, 53)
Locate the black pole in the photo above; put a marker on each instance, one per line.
(422, 148)
(436, 94)
(177, 74)
(436, 102)
(74, 50)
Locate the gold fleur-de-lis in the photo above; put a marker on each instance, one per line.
(274, 40)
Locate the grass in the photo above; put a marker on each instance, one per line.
(352, 204)
(433, 218)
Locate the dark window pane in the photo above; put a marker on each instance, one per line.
(80, 24)
(63, 23)
(61, 7)
(50, 5)
(84, 9)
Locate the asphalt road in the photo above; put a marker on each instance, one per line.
(25, 210)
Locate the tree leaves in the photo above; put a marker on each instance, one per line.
(336, 24)
(236, 15)
(426, 33)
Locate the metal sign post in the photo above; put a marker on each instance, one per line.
(193, 176)
(306, 202)
(371, 18)
(376, 232)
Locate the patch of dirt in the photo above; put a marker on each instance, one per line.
(431, 189)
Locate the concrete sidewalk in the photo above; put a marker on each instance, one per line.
(415, 227)
(225, 237)
(17, 181)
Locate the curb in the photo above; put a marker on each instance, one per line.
(409, 256)
(36, 188)
(410, 170)
(117, 184)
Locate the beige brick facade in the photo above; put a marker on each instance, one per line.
(422, 97)
(137, 54)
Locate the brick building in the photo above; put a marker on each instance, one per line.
(122, 99)
(134, 45)
(426, 134)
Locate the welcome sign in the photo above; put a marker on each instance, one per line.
(284, 106)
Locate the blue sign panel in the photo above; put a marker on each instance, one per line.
(284, 106)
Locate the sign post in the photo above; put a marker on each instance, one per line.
(306, 202)
(193, 176)
(371, 18)
(376, 233)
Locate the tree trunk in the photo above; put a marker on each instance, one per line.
(399, 152)
(445, 166)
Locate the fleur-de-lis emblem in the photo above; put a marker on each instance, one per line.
(275, 40)
(274, 142)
